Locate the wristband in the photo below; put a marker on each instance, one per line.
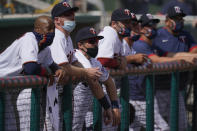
(104, 103)
(114, 104)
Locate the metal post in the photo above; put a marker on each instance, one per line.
(67, 107)
(97, 116)
(149, 103)
(174, 102)
(1, 111)
(35, 110)
(124, 99)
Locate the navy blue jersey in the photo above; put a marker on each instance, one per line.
(165, 43)
(138, 83)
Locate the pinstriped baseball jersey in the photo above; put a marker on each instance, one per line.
(82, 95)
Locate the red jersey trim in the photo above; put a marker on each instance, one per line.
(194, 47)
(150, 55)
(108, 62)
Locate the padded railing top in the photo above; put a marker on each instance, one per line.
(157, 68)
(23, 81)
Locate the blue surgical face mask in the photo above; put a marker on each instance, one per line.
(69, 26)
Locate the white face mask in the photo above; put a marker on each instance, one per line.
(69, 26)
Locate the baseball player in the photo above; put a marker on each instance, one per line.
(110, 53)
(28, 55)
(172, 40)
(87, 41)
(62, 53)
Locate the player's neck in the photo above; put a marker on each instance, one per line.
(145, 39)
(85, 54)
(129, 41)
(66, 33)
(170, 31)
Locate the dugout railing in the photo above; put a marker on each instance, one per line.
(37, 83)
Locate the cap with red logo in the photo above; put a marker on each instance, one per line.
(62, 8)
(175, 11)
(87, 33)
(123, 14)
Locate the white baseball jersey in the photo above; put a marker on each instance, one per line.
(82, 95)
(62, 48)
(62, 52)
(21, 51)
(110, 46)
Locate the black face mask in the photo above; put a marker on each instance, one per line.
(135, 37)
(92, 52)
(46, 39)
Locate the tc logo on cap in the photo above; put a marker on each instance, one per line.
(126, 11)
(66, 4)
(177, 9)
(92, 30)
(149, 16)
(133, 16)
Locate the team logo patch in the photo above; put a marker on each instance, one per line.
(92, 30)
(177, 9)
(149, 16)
(66, 4)
(127, 12)
(133, 16)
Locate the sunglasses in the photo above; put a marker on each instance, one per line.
(93, 41)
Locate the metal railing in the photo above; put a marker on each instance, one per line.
(36, 83)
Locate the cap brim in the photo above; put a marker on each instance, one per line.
(181, 14)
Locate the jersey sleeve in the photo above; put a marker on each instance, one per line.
(58, 51)
(143, 48)
(29, 49)
(106, 48)
(105, 73)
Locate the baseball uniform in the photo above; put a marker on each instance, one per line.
(61, 52)
(138, 91)
(82, 94)
(21, 51)
(165, 43)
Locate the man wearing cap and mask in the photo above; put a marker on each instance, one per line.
(110, 52)
(87, 41)
(138, 87)
(172, 40)
(62, 53)
(28, 55)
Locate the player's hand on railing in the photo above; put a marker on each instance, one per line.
(107, 115)
(140, 58)
(93, 73)
(116, 116)
(62, 78)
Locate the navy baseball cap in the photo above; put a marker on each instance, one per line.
(86, 33)
(122, 14)
(62, 8)
(175, 11)
(147, 19)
